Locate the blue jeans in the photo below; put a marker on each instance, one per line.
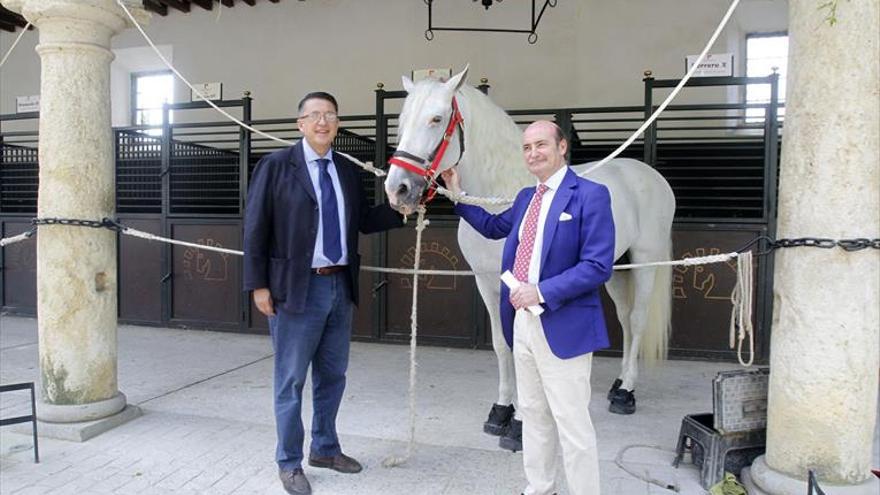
(319, 336)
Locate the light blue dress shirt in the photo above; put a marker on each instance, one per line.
(311, 156)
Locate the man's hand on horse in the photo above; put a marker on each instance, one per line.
(263, 301)
(524, 296)
(451, 179)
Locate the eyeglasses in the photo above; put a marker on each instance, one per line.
(329, 117)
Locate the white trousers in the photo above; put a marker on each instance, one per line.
(554, 395)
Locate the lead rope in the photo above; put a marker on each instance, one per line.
(741, 316)
(392, 460)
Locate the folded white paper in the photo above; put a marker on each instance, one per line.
(512, 283)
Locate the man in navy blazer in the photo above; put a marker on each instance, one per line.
(305, 207)
(560, 248)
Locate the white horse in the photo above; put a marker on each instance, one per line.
(491, 165)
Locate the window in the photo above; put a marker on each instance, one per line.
(764, 52)
(150, 91)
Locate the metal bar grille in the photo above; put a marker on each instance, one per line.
(204, 180)
(19, 179)
(138, 172)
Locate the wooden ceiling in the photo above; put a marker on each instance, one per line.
(10, 21)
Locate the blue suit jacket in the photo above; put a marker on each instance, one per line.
(281, 225)
(577, 256)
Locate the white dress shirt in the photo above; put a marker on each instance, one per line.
(552, 183)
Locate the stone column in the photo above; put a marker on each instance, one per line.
(824, 352)
(76, 267)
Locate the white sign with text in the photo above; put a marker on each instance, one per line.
(438, 74)
(714, 65)
(27, 104)
(211, 91)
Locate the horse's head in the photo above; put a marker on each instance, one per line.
(429, 119)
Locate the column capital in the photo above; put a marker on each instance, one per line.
(94, 21)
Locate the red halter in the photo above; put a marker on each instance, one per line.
(416, 164)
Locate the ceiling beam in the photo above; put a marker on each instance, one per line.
(228, 3)
(250, 2)
(155, 6)
(14, 18)
(205, 4)
(181, 5)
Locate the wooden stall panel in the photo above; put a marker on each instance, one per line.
(19, 274)
(615, 333)
(140, 273)
(364, 325)
(206, 284)
(447, 312)
(701, 294)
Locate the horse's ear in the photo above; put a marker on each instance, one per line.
(457, 80)
(407, 83)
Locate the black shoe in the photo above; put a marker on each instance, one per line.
(622, 402)
(512, 437)
(499, 419)
(340, 462)
(295, 481)
(614, 387)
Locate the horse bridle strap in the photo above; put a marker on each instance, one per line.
(416, 164)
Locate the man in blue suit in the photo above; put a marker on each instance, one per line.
(560, 249)
(305, 208)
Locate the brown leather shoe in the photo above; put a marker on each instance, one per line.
(295, 481)
(340, 462)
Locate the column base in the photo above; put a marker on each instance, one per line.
(77, 413)
(81, 431)
(761, 479)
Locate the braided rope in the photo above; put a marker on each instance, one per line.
(393, 461)
(14, 44)
(368, 167)
(16, 238)
(496, 201)
(741, 316)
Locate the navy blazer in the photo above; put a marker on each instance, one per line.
(577, 257)
(281, 225)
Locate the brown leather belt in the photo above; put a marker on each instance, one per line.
(328, 270)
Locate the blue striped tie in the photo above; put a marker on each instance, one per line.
(329, 214)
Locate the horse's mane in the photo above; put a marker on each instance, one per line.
(492, 164)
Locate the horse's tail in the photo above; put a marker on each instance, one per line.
(655, 341)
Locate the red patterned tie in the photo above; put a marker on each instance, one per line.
(529, 232)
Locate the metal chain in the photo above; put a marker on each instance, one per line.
(856, 244)
(104, 223)
(846, 244)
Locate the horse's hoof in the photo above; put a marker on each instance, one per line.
(498, 420)
(512, 437)
(614, 387)
(622, 402)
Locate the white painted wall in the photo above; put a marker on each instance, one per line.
(589, 52)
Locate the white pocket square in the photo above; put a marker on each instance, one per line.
(564, 217)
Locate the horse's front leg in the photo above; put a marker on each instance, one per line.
(502, 411)
(484, 257)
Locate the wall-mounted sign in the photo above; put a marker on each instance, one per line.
(27, 104)
(714, 65)
(211, 91)
(439, 74)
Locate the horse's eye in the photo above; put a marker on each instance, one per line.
(437, 119)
